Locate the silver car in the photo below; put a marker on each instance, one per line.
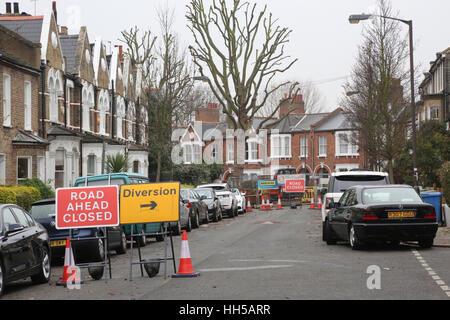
(185, 220)
(227, 199)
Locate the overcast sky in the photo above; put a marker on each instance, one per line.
(322, 38)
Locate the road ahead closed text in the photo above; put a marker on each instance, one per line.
(87, 207)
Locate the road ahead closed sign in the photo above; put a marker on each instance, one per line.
(89, 207)
(148, 203)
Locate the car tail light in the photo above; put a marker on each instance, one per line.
(368, 215)
(430, 214)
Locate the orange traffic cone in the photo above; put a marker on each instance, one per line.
(319, 206)
(263, 204)
(312, 206)
(69, 274)
(279, 206)
(185, 270)
(249, 206)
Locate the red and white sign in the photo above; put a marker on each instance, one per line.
(90, 207)
(295, 186)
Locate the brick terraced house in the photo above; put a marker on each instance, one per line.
(314, 144)
(65, 102)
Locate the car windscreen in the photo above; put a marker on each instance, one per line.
(43, 211)
(342, 183)
(185, 194)
(207, 193)
(390, 195)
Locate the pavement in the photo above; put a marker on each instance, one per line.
(442, 238)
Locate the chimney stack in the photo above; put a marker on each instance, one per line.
(8, 8)
(64, 31)
(55, 12)
(16, 8)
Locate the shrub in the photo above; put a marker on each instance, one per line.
(26, 196)
(7, 196)
(444, 177)
(45, 190)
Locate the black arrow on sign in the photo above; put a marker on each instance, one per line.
(151, 206)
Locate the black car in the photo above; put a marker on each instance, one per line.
(212, 202)
(199, 210)
(390, 213)
(24, 247)
(91, 250)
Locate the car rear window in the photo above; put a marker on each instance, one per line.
(342, 183)
(43, 211)
(390, 195)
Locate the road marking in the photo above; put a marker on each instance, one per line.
(245, 268)
(432, 273)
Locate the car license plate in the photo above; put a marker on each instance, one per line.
(58, 243)
(401, 215)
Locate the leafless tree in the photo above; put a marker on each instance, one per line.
(378, 109)
(167, 82)
(226, 50)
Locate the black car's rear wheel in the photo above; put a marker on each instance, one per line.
(123, 244)
(206, 220)
(43, 276)
(2, 281)
(196, 221)
(355, 243)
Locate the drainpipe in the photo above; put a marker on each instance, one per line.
(43, 115)
(113, 109)
(81, 127)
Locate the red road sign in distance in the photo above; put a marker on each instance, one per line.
(90, 207)
(295, 186)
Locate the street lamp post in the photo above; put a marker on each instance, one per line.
(355, 19)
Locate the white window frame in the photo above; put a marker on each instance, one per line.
(278, 147)
(251, 143)
(431, 109)
(27, 96)
(230, 152)
(323, 146)
(7, 121)
(29, 169)
(304, 147)
(352, 149)
(92, 157)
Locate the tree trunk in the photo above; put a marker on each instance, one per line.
(158, 167)
(391, 171)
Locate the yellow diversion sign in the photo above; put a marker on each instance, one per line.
(149, 203)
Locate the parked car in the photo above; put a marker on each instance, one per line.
(227, 200)
(210, 198)
(125, 179)
(339, 182)
(185, 222)
(24, 247)
(198, 208)
(87, 250)
(240, 197)
(390, 213)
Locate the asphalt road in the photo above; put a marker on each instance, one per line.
(277, 255)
